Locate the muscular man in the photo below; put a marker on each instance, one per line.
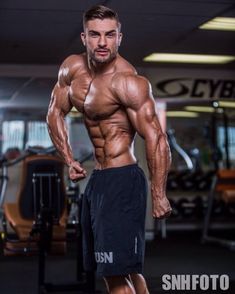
(116, 103)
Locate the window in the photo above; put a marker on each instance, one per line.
(12, 135)
(38, 134)
(231, 141)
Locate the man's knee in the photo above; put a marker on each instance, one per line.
(119, 285)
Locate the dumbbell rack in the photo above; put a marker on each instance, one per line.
(189, 208)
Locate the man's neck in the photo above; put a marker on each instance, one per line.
(98, 68)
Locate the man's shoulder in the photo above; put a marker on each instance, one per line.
(126, 72)
(129, 81)
(128, 76)
(130, 87)
(123, 68)
(71, 66)
(74, 61)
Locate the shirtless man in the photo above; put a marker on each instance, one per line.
(115, 103)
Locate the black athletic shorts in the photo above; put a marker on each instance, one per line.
(113, 221)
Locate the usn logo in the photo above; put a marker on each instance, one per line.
(104, 257)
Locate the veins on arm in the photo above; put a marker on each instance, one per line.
(136, 96)
(59, 107)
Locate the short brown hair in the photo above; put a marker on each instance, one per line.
(100, 12)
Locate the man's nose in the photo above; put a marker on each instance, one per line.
(102, 41)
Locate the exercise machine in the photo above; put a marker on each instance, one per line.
(44, 208)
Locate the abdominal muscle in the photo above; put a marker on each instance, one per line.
(113, 144)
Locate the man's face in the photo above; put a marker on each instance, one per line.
(102, 39)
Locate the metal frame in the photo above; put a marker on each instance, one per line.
(44, 226)
(205, 234)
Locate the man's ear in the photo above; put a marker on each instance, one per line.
(83, 38)
(120, 39)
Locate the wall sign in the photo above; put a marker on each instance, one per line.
(196, 88)
(191, 83)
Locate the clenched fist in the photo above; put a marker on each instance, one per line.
(161, 207)
(76, 172)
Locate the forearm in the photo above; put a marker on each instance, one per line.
(59, 136)
(159, 160)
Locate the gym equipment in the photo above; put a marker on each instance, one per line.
(39, 218)
(219, 119)
(47, 217)
(22, 215)
(224, 185)
(203, 181)
(174, 206)
(7, 160)
(174, 145)
(190, 175)
(185, 207)
(199, 207)
(231, 209)
(174, 177)
(191, 208)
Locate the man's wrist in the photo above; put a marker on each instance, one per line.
(158, 193)
(159, 196)
(69, 162)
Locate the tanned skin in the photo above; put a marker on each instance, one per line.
(115, 103)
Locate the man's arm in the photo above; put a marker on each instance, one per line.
(136, 96)
(59, 107)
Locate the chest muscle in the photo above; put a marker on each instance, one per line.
(100, 102)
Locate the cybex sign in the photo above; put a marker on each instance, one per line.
(196, 88)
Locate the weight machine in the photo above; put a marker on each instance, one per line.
(44, 228)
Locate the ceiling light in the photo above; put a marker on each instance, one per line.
(215, 104)
(185, 114)
(188, 58)
(229, 104)
(219, 23)
(199, 108)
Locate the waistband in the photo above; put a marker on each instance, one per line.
(115, 169)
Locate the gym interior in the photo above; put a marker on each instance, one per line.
(187, 51)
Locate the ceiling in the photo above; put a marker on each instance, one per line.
(45, 32)
(36, 36)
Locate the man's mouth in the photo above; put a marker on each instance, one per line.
(102, 52)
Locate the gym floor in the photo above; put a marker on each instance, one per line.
(179, 253)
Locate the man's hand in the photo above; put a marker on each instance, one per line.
(161, 207)
(76, 172)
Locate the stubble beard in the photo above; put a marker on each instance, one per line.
(103, 60)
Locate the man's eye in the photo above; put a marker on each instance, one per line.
(93, 35)
(111, 35)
